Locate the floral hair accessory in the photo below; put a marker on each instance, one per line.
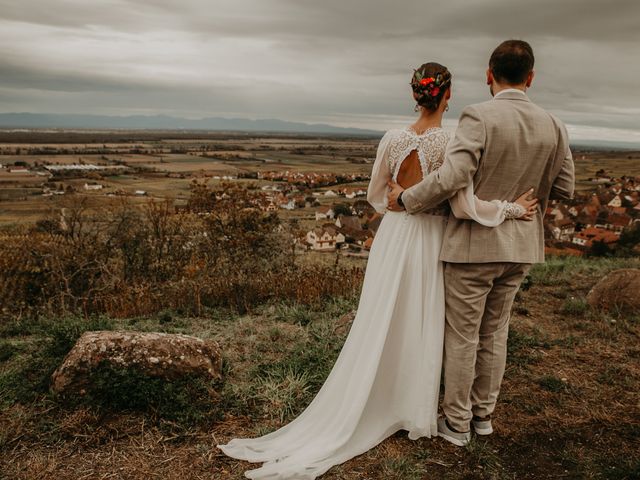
(423, 85)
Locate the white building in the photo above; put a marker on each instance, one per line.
(290, 204)
(324, 213)
(324, 239)
(615, 202)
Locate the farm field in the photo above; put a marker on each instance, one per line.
(164, 164)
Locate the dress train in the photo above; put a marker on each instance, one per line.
(387, 375)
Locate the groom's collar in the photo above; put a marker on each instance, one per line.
(511, 94)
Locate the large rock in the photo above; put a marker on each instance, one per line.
(161, 355)
(618, 291)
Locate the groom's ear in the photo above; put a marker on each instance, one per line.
(489, 76)
(530, 78)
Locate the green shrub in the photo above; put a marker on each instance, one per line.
(575, 306)
(125, 260)
(185, 400)
(296, 314)
(28, 375)
(520, 347)
(6, 351)
(552, 384)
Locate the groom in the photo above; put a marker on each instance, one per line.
(503, 146)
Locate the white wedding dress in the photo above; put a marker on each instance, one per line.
(387, 375)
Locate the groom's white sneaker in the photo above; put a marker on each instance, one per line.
(482, 426)
(457, 438)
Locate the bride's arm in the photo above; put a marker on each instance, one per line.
(466, 205)
(380, 175)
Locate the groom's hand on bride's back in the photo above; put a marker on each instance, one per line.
(392, 196)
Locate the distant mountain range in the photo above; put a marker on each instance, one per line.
(269, 125)
(164, 122)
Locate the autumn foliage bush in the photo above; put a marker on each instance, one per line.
(126, 260)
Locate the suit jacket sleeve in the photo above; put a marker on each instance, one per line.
(459, 166)
(564, 184)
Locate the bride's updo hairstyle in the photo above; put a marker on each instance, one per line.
(429, 83)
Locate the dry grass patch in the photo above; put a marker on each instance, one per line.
(568, 407)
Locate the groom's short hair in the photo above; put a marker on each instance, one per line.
(511, 62)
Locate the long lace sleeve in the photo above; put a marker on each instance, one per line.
(380, 175)
(466, 205)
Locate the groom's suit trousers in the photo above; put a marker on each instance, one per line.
(479, 297)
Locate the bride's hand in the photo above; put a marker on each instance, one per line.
(530, 206)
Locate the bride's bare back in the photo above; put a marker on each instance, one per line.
(410, 171)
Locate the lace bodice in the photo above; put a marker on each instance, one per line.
(429, 145)
(396, 145)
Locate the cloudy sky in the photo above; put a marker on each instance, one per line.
(344, 62)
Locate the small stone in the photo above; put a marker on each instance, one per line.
(343, 325)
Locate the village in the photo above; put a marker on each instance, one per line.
(318, 183)
(591, 223)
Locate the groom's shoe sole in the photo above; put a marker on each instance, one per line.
(458, 439)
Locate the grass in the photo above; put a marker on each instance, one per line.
(553, 384)
(567, 408)
(575, 307)
(403, 468)
(26, 377)
(284, 392)
(524, 349)
(483, 454)
(43, 344)
(298, 314)
(570, 270)
(185, 401)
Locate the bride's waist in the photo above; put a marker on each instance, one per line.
(442, 210)
(438, 211)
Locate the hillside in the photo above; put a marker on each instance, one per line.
(568, 407)
(165, 122)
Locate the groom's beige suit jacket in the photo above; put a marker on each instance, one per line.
(504, 146)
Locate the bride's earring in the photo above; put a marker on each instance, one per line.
(446, 109)
(416, 108)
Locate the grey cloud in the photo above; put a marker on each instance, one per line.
(304, 59)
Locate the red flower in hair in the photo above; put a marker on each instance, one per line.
(435, 91)
(426, 81)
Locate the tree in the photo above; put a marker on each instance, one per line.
(599, 249)
(629, 239)
(342, 209)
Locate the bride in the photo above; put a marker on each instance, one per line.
(387, 375)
